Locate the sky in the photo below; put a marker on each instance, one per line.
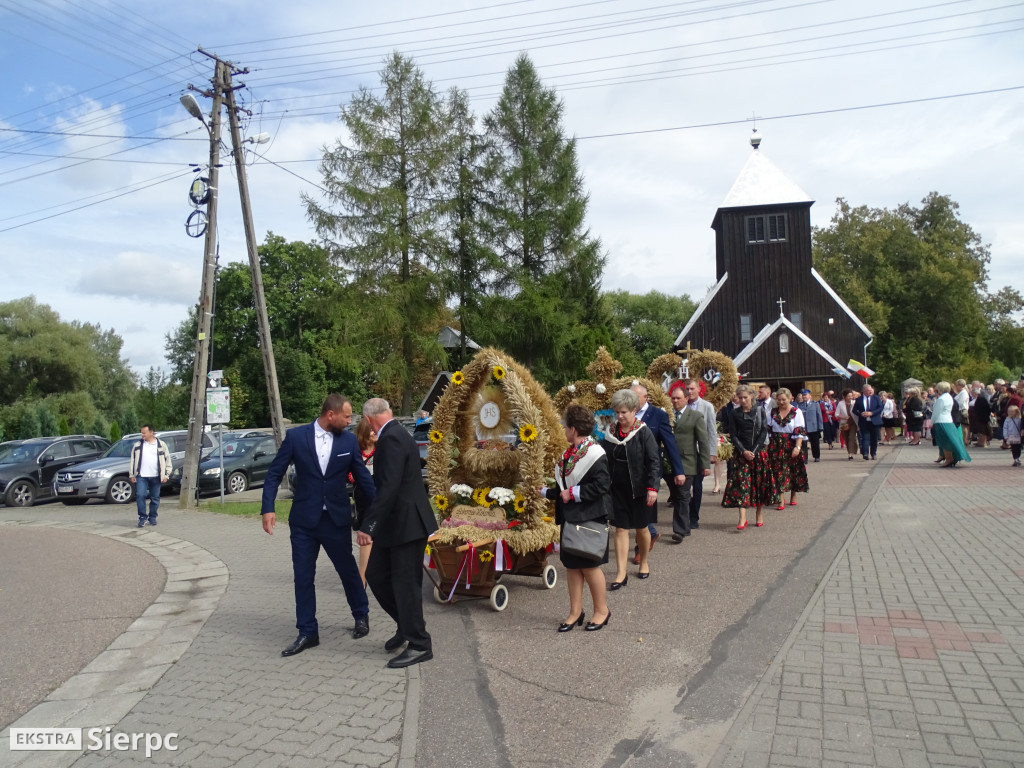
(872, 101)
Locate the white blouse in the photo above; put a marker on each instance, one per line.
(797, 422)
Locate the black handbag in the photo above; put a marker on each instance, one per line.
(588, 540)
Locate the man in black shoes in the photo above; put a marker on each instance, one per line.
(398, 524)
(324, 454)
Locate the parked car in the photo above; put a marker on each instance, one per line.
(8, 446)
(107, 477)
(27, 470)
(246, 461)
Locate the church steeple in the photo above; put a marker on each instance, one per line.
(762, 183)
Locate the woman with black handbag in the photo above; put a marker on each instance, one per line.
(581, 509)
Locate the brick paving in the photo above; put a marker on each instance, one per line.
(911, 652)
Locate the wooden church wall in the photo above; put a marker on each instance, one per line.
(758, 277)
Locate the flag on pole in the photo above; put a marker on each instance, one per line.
(841, 372)
(860, 368)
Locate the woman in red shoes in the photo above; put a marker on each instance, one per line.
(784, 450)
(750, 479)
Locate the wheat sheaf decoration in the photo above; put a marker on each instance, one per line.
(499, 436)
(596, 392)
(716, 370)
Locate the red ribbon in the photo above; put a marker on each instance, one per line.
(470, 560)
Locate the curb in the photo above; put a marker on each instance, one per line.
(107, 689)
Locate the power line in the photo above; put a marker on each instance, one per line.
(97, 202)
(792, 115)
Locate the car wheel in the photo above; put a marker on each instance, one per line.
(120, 491)
(20, 493)
(73, 502)
(237, 482)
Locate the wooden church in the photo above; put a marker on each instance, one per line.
(770, 310)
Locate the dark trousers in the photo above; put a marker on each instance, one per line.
(337, 543)
(868, 437)
(681, 508)
(829, 428)
(696, 484)
(814, 439)
(395, 574)
(147, 486)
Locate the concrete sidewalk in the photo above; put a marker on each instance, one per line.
(911, 652)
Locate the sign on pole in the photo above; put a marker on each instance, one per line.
(218, 405)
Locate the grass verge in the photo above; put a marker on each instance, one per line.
(247, 508)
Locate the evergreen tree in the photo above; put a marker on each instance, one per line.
(29, 426)
(64, 428)
(47, 422)
(469, 263)
(550, 266)
(115, 432)
(382, 211)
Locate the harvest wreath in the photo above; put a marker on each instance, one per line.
(481, 485)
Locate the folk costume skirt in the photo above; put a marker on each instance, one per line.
(790, 473)
(751, 483)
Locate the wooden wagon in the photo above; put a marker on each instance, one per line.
(470, 570)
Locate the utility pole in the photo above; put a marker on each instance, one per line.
(266, 346)
(197, 409)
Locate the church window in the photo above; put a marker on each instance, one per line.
(745, 328)
(766, 229)
(797, 318)
(784, 343)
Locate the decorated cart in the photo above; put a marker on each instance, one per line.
(495, 438)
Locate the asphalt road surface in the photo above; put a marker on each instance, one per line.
(64, 596)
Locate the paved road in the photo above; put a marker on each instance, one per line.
(662, 685)
(64, 597)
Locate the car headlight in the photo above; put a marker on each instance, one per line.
(95, 474)
(213, 472)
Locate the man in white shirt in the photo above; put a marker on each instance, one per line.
(150, 466)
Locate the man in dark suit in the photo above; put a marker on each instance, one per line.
(324, 454)
(657, 421)
(398, 524)
(691, 436)
(868, 410)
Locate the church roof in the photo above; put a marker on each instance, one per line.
(767, 332)
(700, 309)
(762, 183)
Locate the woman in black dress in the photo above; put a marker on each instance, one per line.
(635, 467)
(913, 408)
(582, 495)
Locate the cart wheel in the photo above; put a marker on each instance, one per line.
(438, 596)
(550, 576)
(499, 597)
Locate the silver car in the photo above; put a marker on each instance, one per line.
(107, 477)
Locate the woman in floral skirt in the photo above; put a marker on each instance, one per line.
(784, 450)
(750, 481)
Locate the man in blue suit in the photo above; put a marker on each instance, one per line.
(868, 410)
(657, 421)
(324, 454)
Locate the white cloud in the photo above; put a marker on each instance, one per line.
(143, 276)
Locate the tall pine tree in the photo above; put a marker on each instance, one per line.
(546, 308)
(382, 215)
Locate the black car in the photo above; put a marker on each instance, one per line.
(246, 461)
(27, 470)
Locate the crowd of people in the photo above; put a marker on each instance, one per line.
(770, 437)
